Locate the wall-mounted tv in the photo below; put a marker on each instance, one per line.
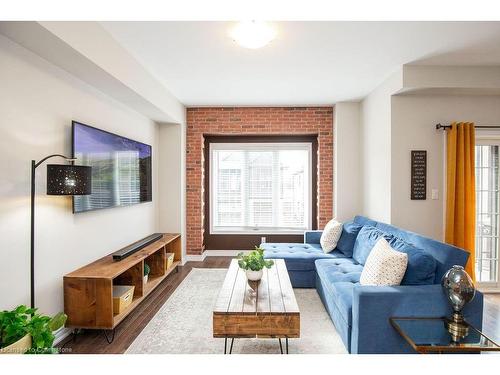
(121, 168)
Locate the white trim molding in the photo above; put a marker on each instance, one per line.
(194, 258)
(61, 335)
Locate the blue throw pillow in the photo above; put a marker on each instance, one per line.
(347, 239)
(366, 239)
(421, 269)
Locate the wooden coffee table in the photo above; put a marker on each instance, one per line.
(265, 309)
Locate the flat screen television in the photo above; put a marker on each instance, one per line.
(121, 168)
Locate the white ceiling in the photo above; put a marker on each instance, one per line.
(308, 63)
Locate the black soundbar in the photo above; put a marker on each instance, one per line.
(136, 246)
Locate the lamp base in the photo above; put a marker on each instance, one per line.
(457, 327)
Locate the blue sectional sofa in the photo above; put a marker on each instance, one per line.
(361, 313)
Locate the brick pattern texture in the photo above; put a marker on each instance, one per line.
(253, 121)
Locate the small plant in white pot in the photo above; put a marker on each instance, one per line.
(253, 263)
(147, 271)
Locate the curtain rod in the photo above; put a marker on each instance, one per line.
(444, 127)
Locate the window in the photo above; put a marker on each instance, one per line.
(260, 187)
(487, 212)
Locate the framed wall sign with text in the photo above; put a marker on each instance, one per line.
(418, 175)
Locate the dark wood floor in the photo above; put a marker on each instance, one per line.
(91, 341)
(94, 342)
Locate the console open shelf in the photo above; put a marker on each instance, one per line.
(88, 291)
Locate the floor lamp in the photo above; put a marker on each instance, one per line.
(62, 179)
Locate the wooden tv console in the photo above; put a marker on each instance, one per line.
(88, 298)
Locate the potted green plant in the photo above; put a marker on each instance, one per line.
(147, 271)
(253, 263)
(23, 330)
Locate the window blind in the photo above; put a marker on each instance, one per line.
(260, 187)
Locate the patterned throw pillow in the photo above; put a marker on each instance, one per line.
(330, 236)
(384, 266)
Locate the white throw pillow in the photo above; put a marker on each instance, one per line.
(330, 236)
(384, 266)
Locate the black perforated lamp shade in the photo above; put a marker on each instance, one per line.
(69, 179)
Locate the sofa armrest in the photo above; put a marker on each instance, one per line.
(312, 236)
(374, 305)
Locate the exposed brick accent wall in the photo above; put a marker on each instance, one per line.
(253, 121)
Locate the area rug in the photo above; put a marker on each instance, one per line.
(183, 325)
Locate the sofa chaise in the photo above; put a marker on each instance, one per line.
(361, 313)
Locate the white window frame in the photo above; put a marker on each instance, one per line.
(260, 147)
(487, 138)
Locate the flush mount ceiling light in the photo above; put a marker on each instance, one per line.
(253, 34)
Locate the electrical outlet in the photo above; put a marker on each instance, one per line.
(263, 240)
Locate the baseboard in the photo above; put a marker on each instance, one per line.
(213, 253)
(61, 334)
(196, 258)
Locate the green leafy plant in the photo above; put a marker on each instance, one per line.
(14, 325)
(254, 260)
(147, 269)
(21, 321)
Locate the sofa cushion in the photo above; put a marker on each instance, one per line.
(366, 239)
(339, 277)
(363, 220)
(298, 256)
(348, 238)
(421, 268)
(341, 269)
(445, 255)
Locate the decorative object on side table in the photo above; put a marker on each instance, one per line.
(460, 290)
(23, 330)
(253, 263)
(431, 335)
(147, 271)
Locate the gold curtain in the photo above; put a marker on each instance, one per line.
(461, 190)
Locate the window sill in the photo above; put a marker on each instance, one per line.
(259, 233)
(488, 289)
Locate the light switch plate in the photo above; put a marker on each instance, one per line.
(434, 194)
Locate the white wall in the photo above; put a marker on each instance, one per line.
(375, 147)
(347, 161)
(471, 78)
(171, 180)
(37, 103)
(110, 68)
(413, 128)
